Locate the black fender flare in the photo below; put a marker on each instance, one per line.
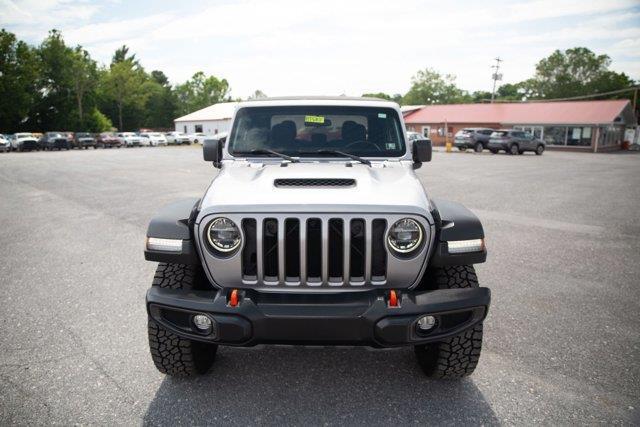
(453, 221)
(175, 221)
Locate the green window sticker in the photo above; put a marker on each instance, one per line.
(382, 116)
(314, 119)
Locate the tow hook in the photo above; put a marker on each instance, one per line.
(233, 298)
(393, 299)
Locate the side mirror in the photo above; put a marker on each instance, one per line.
(422, 150)
(212, 151)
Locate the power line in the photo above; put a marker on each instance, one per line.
(572, 98)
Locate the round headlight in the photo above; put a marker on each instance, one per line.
(224, 235)
(405, 235)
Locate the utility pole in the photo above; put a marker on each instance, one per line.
(496, 76)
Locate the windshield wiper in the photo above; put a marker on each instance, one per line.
(273, 153)
(342, 153)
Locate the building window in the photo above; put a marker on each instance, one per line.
(426, 131)
(536, 131)
(441, 131)
(198, 128)
(555, 135)
(579, 136)
(185, 128)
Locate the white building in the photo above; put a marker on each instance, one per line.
(210, 120)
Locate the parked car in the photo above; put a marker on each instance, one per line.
(197, 138)
(416, 136)
(129, 139)
(476, 139)
(108, 139)
(84, 140)
(154, 138)
(514, 141)
(298, 250)
(5, 144)
(177, 138)
(24, 141)
(55, 141)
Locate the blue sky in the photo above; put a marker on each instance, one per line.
(292, 47)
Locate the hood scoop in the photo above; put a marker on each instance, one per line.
(314, 182)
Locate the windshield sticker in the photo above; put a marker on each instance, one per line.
(391, 146)
(314, 119)
(382, 116)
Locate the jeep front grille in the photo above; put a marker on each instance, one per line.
(315, 251)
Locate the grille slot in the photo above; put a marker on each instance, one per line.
(314, 250)
(336, 257)
(357, 250)
(378, 252)
(314, 182)
(292, 249)
(249, 252)
(270, 249)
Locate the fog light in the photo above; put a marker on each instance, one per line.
(203, 323)
(426, 323)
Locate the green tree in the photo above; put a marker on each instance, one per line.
(122, 85)
(380, 95)
(161, 104)
(480, 96)
(19, 78)
(574, 72)
(97, 122)
(122, 55)
(200, 91)
(258, 94)
(56, 107)
(430, 87)
(84, 77)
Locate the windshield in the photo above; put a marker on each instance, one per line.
(24, 135)
(83, 135)
(304, 130)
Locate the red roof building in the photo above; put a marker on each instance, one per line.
(577, 125)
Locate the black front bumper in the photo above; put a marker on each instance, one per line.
(349, 318)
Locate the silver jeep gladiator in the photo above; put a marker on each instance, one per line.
(316, 231)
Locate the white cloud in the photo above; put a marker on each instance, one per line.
(293, 47)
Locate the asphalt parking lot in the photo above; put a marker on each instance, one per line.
(562, 340)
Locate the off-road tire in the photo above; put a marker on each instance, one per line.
(539, 150)
(458, 356)
(478, 147)
(512, 151)
(171, 354)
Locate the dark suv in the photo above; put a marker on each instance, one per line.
(84, 140)
(54, 140)
(472, 138)
(514, 141)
